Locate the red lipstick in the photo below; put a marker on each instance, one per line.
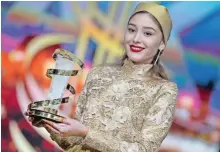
(135, 48)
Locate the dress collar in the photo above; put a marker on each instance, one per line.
(136, 70)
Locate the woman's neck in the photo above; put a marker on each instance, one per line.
(136, 70)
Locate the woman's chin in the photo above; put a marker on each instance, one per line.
(134, 59)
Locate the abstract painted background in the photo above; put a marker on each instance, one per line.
(31, 31)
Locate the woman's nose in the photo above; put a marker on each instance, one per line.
(136, 38)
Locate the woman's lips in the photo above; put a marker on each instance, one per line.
(134, 48)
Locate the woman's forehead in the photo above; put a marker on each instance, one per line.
(143, 20)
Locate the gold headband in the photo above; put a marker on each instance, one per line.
(160, 13)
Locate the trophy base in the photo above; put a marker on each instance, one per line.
(38, 114)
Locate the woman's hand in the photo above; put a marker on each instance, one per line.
(68, 127)
(34, 121)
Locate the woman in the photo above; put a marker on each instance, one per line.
(127, 108)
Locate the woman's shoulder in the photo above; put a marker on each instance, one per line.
(164, 85)
(168, 86)
(165, 82)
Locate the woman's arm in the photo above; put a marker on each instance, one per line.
(66, 142)
(155, 127)
(159, 118)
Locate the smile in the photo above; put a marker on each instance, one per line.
(134, 48)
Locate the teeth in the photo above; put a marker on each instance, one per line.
(136, 48)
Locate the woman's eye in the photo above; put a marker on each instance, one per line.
(147, 33)
(130, 30)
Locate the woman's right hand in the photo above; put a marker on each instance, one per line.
(35, 121)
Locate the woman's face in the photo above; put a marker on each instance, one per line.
(143, 38)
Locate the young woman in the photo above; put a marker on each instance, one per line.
(126, 108)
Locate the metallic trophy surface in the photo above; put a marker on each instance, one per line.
(47, 109)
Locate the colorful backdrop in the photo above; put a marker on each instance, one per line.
(31, 31)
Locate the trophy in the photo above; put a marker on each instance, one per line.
(48, 109)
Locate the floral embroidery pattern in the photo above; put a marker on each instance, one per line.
(128, 147)
(125, 110)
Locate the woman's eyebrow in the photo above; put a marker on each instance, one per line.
(146, 27)
(132, 24)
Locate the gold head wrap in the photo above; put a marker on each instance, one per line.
(160, 13)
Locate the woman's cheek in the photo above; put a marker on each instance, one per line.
(128, 37)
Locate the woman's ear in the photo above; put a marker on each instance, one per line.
(162, 45)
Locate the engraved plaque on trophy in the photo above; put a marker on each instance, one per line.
(60, 76)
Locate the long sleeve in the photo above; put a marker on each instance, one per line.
(67, 142)
(155, 127)
(159, 118)
(106, 133)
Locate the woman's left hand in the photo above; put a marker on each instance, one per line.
(68, 127)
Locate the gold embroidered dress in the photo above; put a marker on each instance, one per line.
(125, 110)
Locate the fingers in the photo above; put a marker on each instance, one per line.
(36, 122)
(57, 129)
(30, 119)
(33, 120)
(48, 122)
(51, 128)
(60, 128)
(53, 125)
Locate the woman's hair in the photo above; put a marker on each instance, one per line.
(158, 69)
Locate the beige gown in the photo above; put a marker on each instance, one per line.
(125, 110)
